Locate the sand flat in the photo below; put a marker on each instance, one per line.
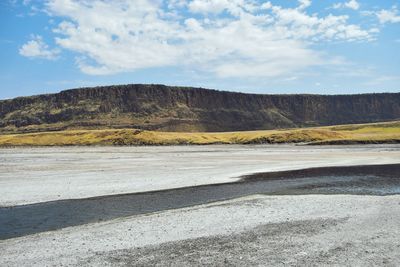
(31, 175)
(341, 230)
(280, 230)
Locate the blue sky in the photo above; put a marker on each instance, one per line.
(323, 47)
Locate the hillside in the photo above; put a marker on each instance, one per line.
(348, 134)
(164, 108)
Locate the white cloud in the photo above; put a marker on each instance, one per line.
(352, 4)
(230, 38)
(388, 16)
(208, 6)
(266, 5)
(304, 4)
(37, 48)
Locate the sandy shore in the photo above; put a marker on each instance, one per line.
(340, 230)
(31, 175)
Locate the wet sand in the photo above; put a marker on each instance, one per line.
(329, 216)
(32, 175)
(35, 218)
(338, 230)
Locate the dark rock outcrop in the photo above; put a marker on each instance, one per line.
(159, 107)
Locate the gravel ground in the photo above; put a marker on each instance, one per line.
(342, 230)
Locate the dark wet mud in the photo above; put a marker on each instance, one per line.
(365, 180)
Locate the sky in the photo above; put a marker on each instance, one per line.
(271, 47)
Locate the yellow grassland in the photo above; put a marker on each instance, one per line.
(388, 132)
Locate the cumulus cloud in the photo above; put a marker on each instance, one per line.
(230, 38)
(352, 4)
(388, 16)
(37, 48)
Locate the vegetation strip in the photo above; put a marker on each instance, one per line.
(371, 133)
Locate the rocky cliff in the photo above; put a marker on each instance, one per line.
(159, 107)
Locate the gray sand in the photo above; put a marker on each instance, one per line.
(259, 230)
(47, 216)
(30, 175)
(339, 230)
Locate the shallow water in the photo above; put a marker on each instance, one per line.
(28, 219)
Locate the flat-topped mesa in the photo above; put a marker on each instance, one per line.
(168, 108)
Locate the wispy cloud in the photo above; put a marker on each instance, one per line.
(388, 15)
(37, 48)
(352, 4)
(381, 79)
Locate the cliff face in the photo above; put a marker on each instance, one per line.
(159, 107)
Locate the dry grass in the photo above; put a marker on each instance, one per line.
(361, 133)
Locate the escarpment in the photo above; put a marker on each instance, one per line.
(167, 108)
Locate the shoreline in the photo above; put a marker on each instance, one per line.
(369, 180)
(82, 172)
(316, 143)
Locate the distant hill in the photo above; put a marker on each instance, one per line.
(166, 108)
